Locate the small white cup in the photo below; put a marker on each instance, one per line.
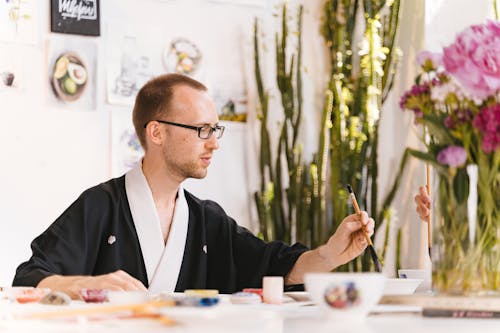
(272, 289)
(424, 274)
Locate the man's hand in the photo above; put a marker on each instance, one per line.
(348, 242)
(423, 202)
(71, 285)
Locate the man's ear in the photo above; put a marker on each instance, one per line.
(154, 134)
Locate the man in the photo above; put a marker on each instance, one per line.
(143, 230)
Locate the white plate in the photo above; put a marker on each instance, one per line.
(298, 296)
(424, 274)
(401, 286)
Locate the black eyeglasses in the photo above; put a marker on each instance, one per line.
(204, 132)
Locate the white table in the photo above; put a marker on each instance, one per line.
(288, 318)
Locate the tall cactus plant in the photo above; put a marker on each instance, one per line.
(289, 185)
(272, 201)
(315, 202)
(360, 85)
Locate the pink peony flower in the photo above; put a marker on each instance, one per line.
(474, 59)
(453, 156)
(487, 121)
(429, 60)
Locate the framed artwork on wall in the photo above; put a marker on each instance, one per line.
(18, 21)
(71, 69)
(132, 59)
(126, 150)
(80, 17)
(182, 56)
(230, 102)
(14, 65)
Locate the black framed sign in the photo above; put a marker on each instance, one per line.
(79, 17)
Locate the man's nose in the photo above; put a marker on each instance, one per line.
(212, 142)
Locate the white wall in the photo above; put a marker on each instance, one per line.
(51, 154)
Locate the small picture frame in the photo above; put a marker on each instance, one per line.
(80, 17)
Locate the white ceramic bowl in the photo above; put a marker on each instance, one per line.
(424, 274)
(401, 286)
(345, 295)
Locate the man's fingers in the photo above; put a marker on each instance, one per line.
(422, 202)
(370, 226)
(355, 226)
(124, 281)
(112, 285)
(130, 280)
(354, 220)
(360, 241)
(424, 195)
(422, 190)
(423, 212)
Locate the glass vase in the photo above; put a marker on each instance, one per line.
(466, 237)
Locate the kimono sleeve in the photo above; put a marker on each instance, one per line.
(256, 258)
(70, 245)
(237, 258)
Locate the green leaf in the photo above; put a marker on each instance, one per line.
(428, 157)
(437, 129)
(461, 185)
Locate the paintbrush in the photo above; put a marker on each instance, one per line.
(376, 261)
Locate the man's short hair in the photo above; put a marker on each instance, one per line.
(155, 98)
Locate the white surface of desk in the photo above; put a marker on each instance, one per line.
(287, 318)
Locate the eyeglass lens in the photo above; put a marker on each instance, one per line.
(206, 131)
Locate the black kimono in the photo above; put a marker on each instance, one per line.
(78, 243)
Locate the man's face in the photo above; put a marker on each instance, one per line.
(184, 153)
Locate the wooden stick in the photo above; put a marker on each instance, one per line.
(428, 187)
(137, 307)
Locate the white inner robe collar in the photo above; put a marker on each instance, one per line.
(163, 262)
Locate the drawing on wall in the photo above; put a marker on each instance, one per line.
(130, 62)
(15, 63)
(9, 69)
(8, 78)
(17, 21)
(71, 68)
(231, 105)
(135, 71)
(126, 150)
(230, 95)
(79, 17)
(9, 74)
(182, 56)
(69, 77)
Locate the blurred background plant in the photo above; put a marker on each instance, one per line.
(306, 201)
(279, 200)
(362, 67)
